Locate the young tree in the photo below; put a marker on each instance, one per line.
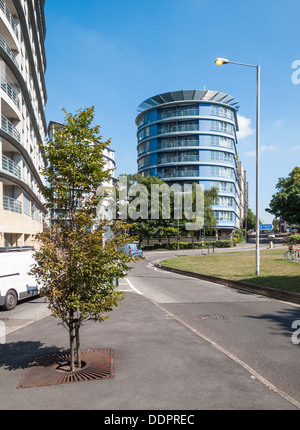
(74, 267)
(210, 222)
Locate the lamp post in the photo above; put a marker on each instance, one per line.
(219, 62)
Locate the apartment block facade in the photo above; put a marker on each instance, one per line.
(23, 125)
(187, 137)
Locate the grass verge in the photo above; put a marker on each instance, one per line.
(275, 270)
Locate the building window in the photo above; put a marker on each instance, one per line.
(143, 162)
(222, 111)
(222, 126)
(222, 141)
(144, 133)
(221, 156)
(226, 187)
(223, 215)
(222, 171)
(224, 201)
(144, 147)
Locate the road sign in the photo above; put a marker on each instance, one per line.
(266, 227)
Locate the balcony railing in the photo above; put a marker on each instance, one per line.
(11, 167)
(7, 88)
(178, 159)
(177, 128)
(9, 128)
(12, 205)
(177, 143)
(171, 113)
(179, 174)
(9, 16)
(7, 49)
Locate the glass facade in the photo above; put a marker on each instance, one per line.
(190, 136)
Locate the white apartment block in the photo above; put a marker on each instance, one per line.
(22, 124)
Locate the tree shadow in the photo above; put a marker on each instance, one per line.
(281, 320)
(19, 355)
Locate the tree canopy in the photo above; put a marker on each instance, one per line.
(286, 202)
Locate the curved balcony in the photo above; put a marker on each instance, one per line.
(11, 167)
(8, 51)
(12, 205)
(5, 9)
(177, 128)
(7, 88)
(9, 128)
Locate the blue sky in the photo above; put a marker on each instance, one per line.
(114, 54)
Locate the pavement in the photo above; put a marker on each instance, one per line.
(159, 365)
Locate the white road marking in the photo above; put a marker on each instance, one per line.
(135, 289)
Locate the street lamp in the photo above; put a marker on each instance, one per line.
(219, 62)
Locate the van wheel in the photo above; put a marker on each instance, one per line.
(11, 300)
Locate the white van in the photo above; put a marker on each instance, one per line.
(15, 282)
(132, 249)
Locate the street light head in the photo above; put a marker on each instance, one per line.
(220, 61)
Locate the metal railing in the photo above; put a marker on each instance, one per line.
(11, 167)
(179, 174)
(7, 88)
(177, 144)
(176, 128)
(9, 16)
(12, 205)
(7, 49)
(9, 128)
(178, 159)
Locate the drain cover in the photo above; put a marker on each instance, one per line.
(211, 317)
(51, 369)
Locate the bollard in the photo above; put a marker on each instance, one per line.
(271, 244)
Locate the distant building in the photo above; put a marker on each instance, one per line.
(23, 124)
(188, 137)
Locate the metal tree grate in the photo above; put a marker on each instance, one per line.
(52, 370)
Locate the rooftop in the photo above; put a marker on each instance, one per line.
(188, 95)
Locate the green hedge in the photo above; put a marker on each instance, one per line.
(295, 239)
(187, 245)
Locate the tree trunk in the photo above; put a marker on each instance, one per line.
(78, 348)
(72, 348)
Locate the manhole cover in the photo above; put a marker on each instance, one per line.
(211, 317)
(52, 369)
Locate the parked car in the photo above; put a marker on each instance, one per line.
(15, 282)
(271, 235)
(132, 249)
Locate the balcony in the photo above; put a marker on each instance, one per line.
(9, 128)
(164, 144)
(175, 128)
(7, 49)
(11, 167)
(12, 205)
(172, 113)
(9, 17)
(179, 159)
(7, 88)
(179, 174)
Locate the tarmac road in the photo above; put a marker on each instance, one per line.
(254, 330)
(178, 344)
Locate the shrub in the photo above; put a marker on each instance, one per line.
(295, 239)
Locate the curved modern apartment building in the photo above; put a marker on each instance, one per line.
(190, 136)
(23, 124)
